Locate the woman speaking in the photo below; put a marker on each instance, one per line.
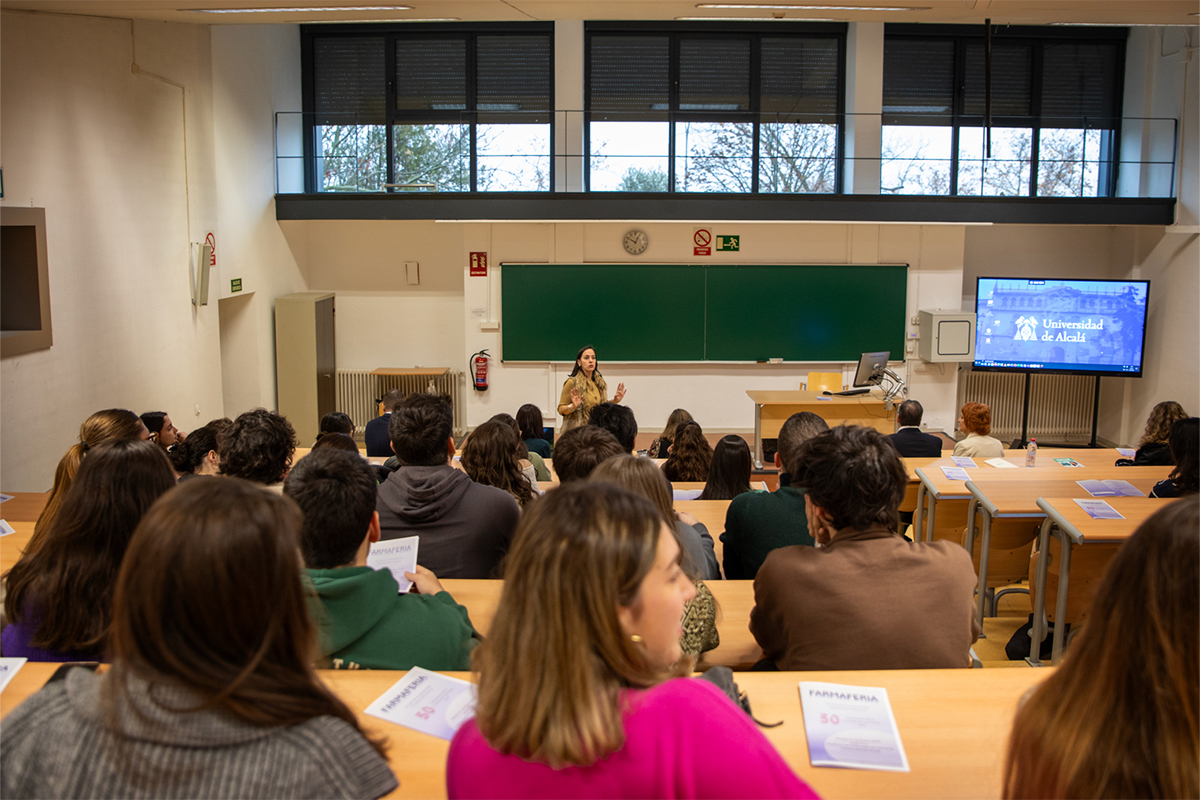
(583, 390)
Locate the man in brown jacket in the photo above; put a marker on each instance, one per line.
(865, 597)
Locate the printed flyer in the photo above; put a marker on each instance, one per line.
(852, 727)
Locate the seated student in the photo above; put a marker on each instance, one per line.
(365, 623)
(910, 441)
(532, 465)
(617, 420)
(1118, 718)
(162, 431)
(336, 441)
(533, 431)
(729, 474)
(975, 421)
(580, 450)
(643, 478)
(660, 444)
(867, 598)
(258, 447)
(576, 696)
(1185, 450)
(376, 436)
(490, 457)
(197, 456)
(689, 456)
(1153, 449)
(59, 597)
(465, 527)
(758, 522)
(108, 425)
(212, 692)
(337, 422)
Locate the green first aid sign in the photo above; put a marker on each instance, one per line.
(729, 243)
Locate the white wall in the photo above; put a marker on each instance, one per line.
(102, 149)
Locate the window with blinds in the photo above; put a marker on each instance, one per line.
(698, 109)
(1047, 125)
(429, 108)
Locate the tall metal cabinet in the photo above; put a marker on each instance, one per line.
(305, 360)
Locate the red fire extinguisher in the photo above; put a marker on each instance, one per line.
(479, 367)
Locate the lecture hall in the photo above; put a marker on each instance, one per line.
(786, 218)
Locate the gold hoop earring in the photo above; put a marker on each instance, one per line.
(636, 639)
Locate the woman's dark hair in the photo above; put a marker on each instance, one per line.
(258, 447)
(190, 453)
(337, 422)
(507, 419)
(153, 420)
(337, 441)
(531, 422)
(855, 474)
(66, 585)
(490, 458)
(691, 454)
(729, 474)
(578, 369)
(1185, 449)
(210, 596)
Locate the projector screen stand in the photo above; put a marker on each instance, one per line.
(1025, 416)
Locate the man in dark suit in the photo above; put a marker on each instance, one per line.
(909, 441)
(378, 442)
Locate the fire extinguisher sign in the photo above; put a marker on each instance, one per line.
(479, 265)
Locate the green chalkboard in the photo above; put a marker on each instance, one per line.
(653, 312)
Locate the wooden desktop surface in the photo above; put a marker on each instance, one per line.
(1020, 497)
(1038, 475)
(773, 407)
(954, 725)
(1135, 510)
(24, 506)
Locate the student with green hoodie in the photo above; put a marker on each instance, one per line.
(365, 622)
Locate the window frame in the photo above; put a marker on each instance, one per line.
(392, 34)
(754, 33)
(1038, 38)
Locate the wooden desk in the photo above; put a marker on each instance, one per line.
(1072, 527)
(994, 499)
(24, 506)
(13, 545)
(954, 725)
(772, 408)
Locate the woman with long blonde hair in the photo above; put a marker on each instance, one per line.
(1119, 717)
(576, 696)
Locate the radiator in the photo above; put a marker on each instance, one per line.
(358, 389)
(1060, 406)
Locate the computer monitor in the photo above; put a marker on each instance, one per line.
(870, 368)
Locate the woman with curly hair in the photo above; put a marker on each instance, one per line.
(690, 456)
(658, 447)
(1154, 448)
(490, 457)
(1185, 449)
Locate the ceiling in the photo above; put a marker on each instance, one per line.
(1001, 12)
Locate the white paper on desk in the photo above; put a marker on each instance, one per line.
(1127, 452)
(955, 474)
(1113, 488)
(397, 556)
(1000, 463)
(687, 494)
(963, 461)
(6, 529)
(4, 498)
(851, 726)
(822, 397)
(1098, 509)
(8, 668)
(428, 702)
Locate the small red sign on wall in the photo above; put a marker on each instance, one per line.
(478, 265)
(703, 241)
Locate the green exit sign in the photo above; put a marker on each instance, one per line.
(732, 243)
(235, 285)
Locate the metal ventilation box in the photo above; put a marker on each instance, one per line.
(946, 335)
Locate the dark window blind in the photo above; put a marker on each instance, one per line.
(431, 74)
(1012, 78)
(513, 78)
(918, 79)
(714, 75)
(799, 77)
(1080, 83)
(348, 81)
(630, 77)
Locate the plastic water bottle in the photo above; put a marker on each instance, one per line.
(1031, 453)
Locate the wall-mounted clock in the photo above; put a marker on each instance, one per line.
(636, 242)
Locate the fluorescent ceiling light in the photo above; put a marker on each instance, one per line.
(811, 8)
(755, 19)
(294, 10)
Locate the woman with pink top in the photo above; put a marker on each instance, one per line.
(578, 687)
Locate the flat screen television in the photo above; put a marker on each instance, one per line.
(1092, 327)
